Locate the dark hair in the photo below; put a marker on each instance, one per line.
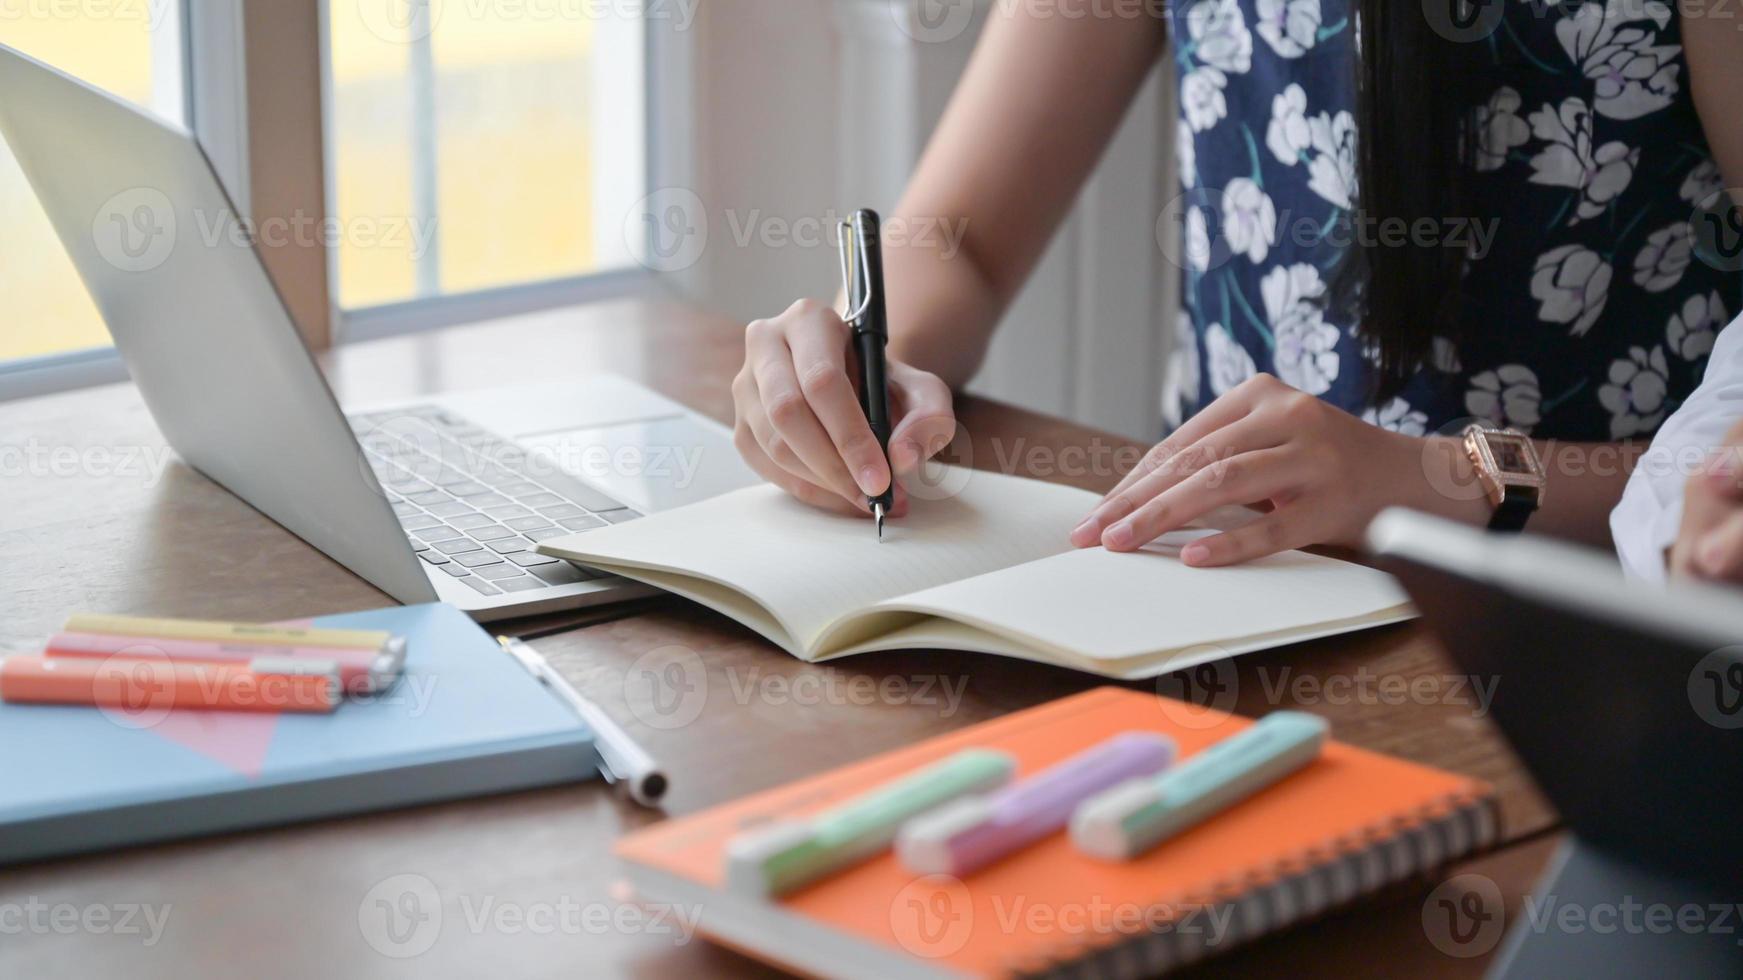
(1415, 89)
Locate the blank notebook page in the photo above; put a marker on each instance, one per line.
(1106, 606)
(810, 567)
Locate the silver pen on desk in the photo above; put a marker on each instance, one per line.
(620, 758)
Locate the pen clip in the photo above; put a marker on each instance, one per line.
(848, 251)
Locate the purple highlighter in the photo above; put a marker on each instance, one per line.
(972, 833)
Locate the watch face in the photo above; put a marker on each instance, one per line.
(1511, 454)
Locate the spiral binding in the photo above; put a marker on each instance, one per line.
(1293, 890)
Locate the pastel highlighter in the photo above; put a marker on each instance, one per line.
(972, 833)
(362, 669)
(1130, 819)
(137, 685)
(791, 854)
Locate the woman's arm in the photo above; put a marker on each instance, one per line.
(1586, 480)
(1712, 40)
(1041, 99)
(1324, 474)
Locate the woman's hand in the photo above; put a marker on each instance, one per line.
(799, 423)
(1323, 472)
(1709, 542)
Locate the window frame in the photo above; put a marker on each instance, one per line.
(47, 374)
(666, 129)
(219, 59)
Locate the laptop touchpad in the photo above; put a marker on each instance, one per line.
(651, 466)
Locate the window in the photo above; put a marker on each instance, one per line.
(481, 145)
(482, 156)
(129, 47)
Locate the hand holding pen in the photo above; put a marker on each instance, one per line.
(862, 279)
(800, 423)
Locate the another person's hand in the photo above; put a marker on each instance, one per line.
(1321, 472)
(798, 419)
(1709, 542)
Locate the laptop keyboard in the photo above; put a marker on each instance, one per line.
(470, 506)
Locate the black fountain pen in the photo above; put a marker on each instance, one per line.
(862, 270)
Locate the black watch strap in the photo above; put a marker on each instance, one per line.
(1515, 509)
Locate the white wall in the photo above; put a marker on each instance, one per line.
(806, 109)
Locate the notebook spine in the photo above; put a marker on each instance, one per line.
(1231, 913)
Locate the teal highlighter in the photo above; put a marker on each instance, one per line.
(1135, 816)
(790, 854)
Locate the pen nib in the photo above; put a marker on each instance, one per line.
(878, 512)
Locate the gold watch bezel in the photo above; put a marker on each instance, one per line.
(1496, 481)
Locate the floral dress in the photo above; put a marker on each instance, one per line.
(1590, 308)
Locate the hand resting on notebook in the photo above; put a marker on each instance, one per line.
(1321, 472)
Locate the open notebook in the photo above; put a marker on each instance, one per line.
(986, 569)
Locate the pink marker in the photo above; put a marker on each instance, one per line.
(362, 670)
(972, 833)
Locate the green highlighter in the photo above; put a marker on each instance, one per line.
(1126, 821)
(788, 855)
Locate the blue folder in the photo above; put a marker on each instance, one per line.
(465, 719)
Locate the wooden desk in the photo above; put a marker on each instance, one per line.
(96, 524)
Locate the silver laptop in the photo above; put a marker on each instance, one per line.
(437, 500)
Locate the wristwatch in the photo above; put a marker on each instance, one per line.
(1510, 473)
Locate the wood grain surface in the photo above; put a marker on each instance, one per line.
(98, 516)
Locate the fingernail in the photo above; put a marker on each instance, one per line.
(871, 481)
(1118, 536)
(1195, 554)
(1082, 534)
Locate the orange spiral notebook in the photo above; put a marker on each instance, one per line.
(1349, 824)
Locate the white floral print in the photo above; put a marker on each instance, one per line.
(1397, 416)
(1499, 128)
(1571, 285)
(1693, 328)
(1197, 241)
(1201, 98)
(1569, 160)
(1332, 171)
(1661, 262)
(1219, 36)
(1180, 384)
(1702, 183)
(1226, 362)
(1635, 393)
(1590, 312)
(1185, 154)
(1289, 26)
(1445, 357)
(1508, 396)
(1614, 44)
(1306, 355)
(1249, 219)
(1288, 135)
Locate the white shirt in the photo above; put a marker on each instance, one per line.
(1645, 523)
